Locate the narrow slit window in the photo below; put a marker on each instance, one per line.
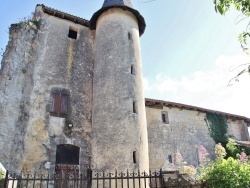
(164, 117)
(134, 157)
(129, 36)
(132, 70)
(72, 33)
(170, 158)
(134, 107)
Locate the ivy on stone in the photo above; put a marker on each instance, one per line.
(217, 128)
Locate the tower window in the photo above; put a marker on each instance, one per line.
(132, 70)
(59, 106)
(129, 36)
(72, 33)
(134, 107)
(134, 157)
(164, 117)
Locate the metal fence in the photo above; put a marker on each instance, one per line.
(85, 179)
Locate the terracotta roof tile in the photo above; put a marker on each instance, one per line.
(64, 15)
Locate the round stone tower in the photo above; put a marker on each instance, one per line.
(119, 120)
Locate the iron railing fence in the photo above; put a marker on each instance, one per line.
(69, 180)
(85, 179)
(128, 180)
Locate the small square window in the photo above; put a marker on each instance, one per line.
(72, 33)
(164, 117)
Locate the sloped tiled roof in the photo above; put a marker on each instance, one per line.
(160, 103)
(64, 15)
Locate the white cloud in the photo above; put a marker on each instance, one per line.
(208, 88)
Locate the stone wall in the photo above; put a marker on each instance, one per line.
(238, 129)
(37, 62)
(186, 130)
(16, 83)
(119, 122)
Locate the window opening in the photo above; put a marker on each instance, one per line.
(170, 158)
(72, 33)
(164, 117)
(129, 36)
(134, 157)
(132, 70)
(134, 107)
(59, 105)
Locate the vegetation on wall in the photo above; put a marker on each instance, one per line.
(1, 174)
(34, 18)
(218, 131)
(217, 128)
(233, 149)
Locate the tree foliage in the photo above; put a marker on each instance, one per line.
(222, 6)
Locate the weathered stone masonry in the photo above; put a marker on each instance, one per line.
(35, 63)
(185, 130)
(77, 85)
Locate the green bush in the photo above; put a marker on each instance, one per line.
(227, 173)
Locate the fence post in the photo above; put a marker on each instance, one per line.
(161, 177)
(89, 178)
(6, 179)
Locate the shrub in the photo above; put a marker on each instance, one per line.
(227, 173)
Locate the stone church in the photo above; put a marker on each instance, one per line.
(70, 88)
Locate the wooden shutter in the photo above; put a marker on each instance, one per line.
(64, 105)
(55, 106)
(59, 105)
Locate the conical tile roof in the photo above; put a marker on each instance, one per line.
(108, 3)
(125, 5)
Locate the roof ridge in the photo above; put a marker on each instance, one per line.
(64, 15)
(199, 109)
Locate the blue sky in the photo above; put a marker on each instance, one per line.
(187, 49)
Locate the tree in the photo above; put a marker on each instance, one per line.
(222, 6)
(243, 6)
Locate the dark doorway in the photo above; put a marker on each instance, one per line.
(67, 164)
(67, 154)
